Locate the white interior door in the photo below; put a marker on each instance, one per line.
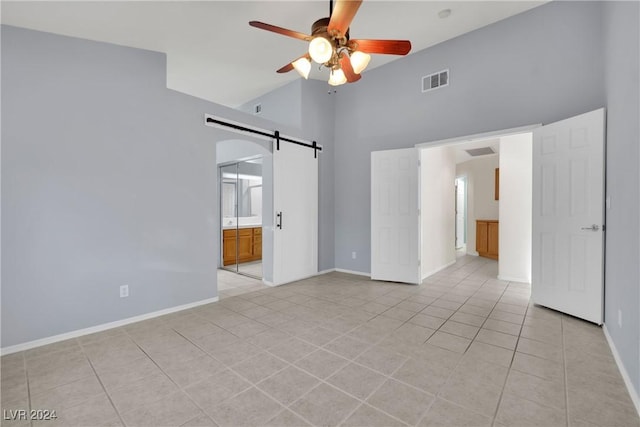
(395, 218)
(568, 216)
(295, 199)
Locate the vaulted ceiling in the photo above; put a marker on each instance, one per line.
(213, 53)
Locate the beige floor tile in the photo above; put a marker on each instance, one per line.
(402, 401)
(247, 329)
(367, 416)
(347, 347)
(324, 406)
(68, 395)
(321, 363)
(459, 329)
(449, 342)
(249, 408)
(234, 353)
(381, 360)
(126, 373)
(543, 391)
(504, 316)
(288, 385)
(425, 375)
(173, 410)
(200, 421)
(412, 306)
(469, 319)
(286, 418)
(356, 380)
(479, 370)
(319, 336)
(259, 367)
(443, 313)
(596, 406)
(541, 333)
(537, 366)
(499, 339)
(96, 411)
(215, 390)
(479, 397)
(46, 379)
(490, 353)
(474, 309)
(502, 326)
(194, 370)
(427, 321)
(444, 413)
(540, 349)
(516, 411)
(293, 349)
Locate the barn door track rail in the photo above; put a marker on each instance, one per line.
(240, 128)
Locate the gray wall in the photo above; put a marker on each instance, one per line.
(537, 67)
(283, 105)
(108, 178)
(318, 123)
(621, 50)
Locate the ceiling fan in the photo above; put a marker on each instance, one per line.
(331, 47)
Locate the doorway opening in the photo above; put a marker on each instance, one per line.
(241, 216)
(461, 213)
(489, 191)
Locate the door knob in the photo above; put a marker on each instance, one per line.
(593, 227)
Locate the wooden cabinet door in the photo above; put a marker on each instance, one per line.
(257, 243)
(245, 244)
(229, 247)
(492, 239)
(481, 237)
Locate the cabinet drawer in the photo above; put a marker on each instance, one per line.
(257, 231)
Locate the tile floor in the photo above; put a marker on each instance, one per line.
(232, 284)
(461, 349)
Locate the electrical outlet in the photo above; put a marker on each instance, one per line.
(124, 291)
(353, 255)
(619, 318)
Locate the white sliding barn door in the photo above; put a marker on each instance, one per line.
(395, 219)
(295, 199)
(568, 216)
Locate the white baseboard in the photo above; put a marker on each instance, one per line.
(329, 270)
(357, 273)
(625, 376)
(99, 328)
(431, 273)
(513, 279)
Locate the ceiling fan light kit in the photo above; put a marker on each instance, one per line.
(331, 47)
(302, 66)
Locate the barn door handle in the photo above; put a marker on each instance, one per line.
(279, 220)
(594, 227)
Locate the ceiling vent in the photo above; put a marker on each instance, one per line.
(475, 152)
(435, 80)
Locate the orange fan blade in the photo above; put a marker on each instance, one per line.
(289, 66)
(343, 13)
(280, 30)
(286, 68)
(388, 47)
(345, 63)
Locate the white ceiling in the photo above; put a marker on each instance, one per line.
(213, 53)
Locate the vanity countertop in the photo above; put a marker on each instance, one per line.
(233, 227)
